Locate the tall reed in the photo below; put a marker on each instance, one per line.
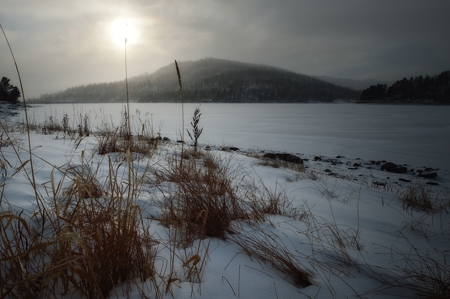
(126, 87)
(182, 110)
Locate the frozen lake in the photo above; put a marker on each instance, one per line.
(415, 135)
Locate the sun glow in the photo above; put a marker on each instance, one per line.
(122, 30)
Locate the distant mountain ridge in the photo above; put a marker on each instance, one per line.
(210, 80)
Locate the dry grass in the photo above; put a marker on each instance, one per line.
(205, 201)
(424, 198)
(108, 232)
(265, 201)
(278, 163)
(117, 140)
(427, 275)
(268, 247)
(91, 238)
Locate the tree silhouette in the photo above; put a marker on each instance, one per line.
(8, 93)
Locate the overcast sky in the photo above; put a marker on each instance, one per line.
(64, 43)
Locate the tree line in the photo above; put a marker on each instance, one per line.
(435, 89)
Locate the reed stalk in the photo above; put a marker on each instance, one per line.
(182, 111)
(126, 87)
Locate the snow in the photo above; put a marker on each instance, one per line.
(342, 198)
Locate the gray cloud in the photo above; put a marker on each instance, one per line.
(59, 44)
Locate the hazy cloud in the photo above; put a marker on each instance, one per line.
(59, 44)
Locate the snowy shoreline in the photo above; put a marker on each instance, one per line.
(362, 171)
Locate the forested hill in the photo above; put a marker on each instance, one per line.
(210, 80)
(427, 90)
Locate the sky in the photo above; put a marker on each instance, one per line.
(61, 44)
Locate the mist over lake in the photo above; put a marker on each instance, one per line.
(415, 135)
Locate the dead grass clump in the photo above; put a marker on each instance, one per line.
(205, 202)
(273, 202)
(90, 239)
(428, 276)
(115, 142)
(279, 163)
(101, 230)
(422, 198)
(268, 247)
(22, 267)
(119, 140)
(334, 245)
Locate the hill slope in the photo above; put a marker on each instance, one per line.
(211, 80)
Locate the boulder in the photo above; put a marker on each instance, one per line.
(428, 175)
(391, 167)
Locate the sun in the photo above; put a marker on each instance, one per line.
(122, 30)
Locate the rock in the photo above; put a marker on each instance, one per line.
(391, 167)
(317, 158)
(404, 180)
(356, 165)
(166, 139)
(428, 175)
(229, 148)
(285, 157)
(327, 170)
(432, 183)
(352, 168)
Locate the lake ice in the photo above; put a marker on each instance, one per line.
(415, 135)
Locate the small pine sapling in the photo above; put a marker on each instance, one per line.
(196, 131)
